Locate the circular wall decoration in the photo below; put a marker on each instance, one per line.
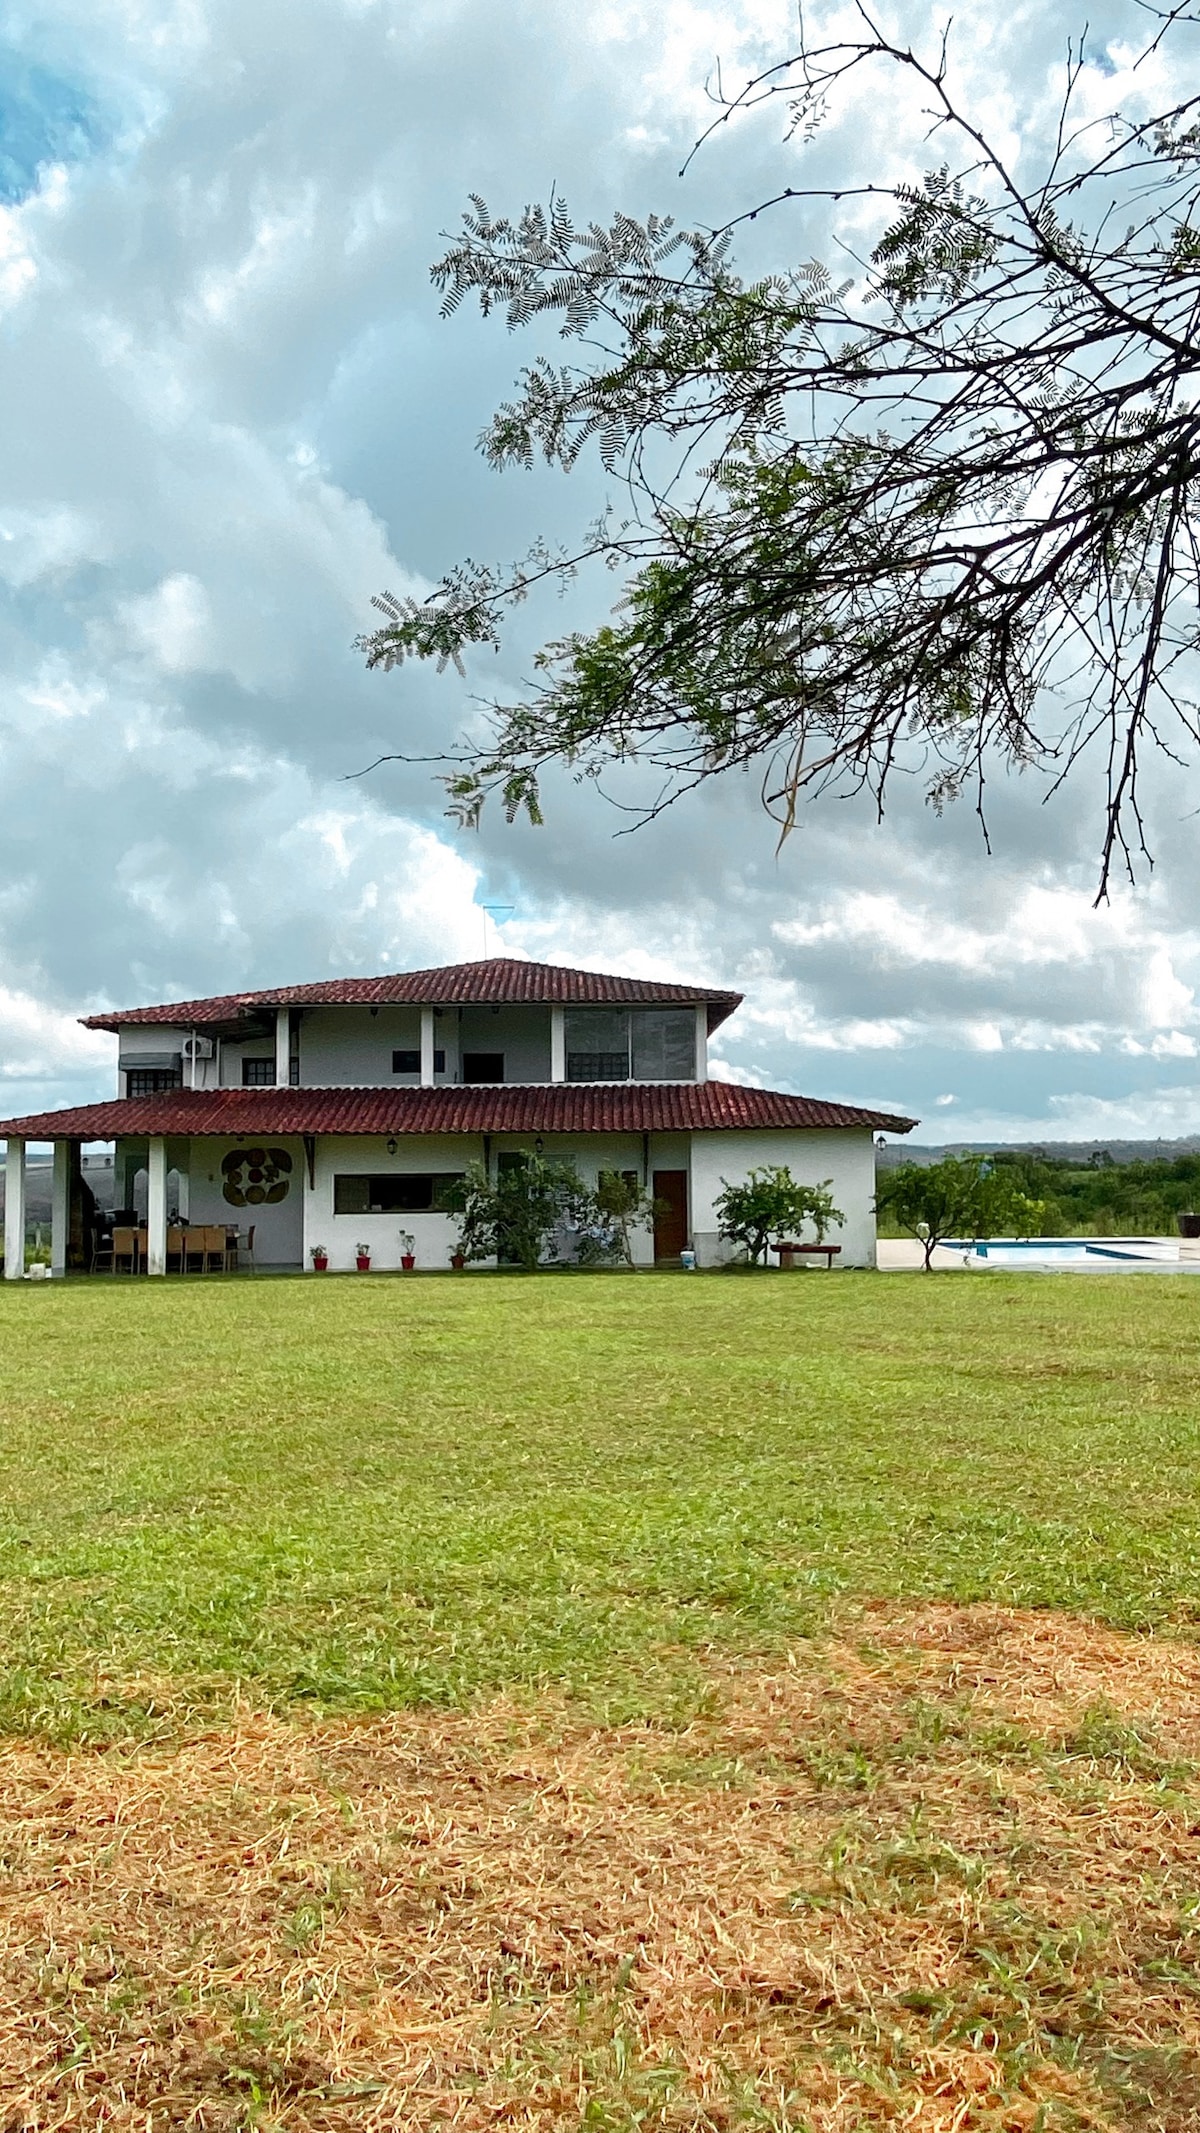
(256, 1177)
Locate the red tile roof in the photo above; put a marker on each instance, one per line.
(560, 1107)
(498, 981)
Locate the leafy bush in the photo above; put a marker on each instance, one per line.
(513, 1216)
(770, 1203)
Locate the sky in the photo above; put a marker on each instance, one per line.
(232, 414)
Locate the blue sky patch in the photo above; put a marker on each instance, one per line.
(44, 118)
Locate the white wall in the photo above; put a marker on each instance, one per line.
(350, 1048)
(279, 1229)
(521, 1033)
(436, 1235)
(846, 1156)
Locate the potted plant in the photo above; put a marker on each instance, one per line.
(458, 1261)
(408, 1251)
(362, 1258)
(320, 1259)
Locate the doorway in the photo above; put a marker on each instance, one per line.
(670, 1215)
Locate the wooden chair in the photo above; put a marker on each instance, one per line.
(214, 1235)
(125, 1247)
(249, 1243)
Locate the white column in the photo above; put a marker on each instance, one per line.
(14, 1211)
(427, 1036)
(60, 1207)
(156, 1207)
(283, 1046)
(702, 1044)
(558, 1044)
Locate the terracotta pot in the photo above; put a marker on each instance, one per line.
(363, 1262)
(458, 1261)
(320, 1266)
(407, 1261)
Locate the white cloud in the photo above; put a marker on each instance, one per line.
(240, 417)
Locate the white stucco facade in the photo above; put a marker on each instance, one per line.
(334, 1116)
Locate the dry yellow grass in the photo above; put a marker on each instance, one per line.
(943, 1873)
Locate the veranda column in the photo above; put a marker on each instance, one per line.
(60, 1207)
(14, 1211)
(156, 1207)
(558, 1044)
(427, 1035)
(702, 1044)
(283, 1047)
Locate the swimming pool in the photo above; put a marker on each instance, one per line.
(1079, 1254)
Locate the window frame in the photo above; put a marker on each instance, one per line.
(162, 1080)
(394, 1184)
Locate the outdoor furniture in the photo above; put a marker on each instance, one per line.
(125, 1249)
(789, 1253)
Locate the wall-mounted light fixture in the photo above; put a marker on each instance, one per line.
(391, 1146)
(539, 1146)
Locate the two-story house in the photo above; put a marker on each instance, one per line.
(335, 1114)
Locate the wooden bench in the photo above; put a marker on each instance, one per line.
(789, 1253)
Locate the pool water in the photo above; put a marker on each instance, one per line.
(1081, 1253)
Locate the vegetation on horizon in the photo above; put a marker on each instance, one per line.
(1093, 1198)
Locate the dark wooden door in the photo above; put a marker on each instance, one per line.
(671, 1218)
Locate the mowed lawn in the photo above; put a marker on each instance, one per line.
(597, 1704)
(371, 1493)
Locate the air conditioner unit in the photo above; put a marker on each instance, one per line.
(198, 1048)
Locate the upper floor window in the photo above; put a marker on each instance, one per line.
(483, 1066)
(258, 1073)
(409, 1062)
(639, 1044)
(151, 1081)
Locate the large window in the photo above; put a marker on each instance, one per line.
(642, 1044)
(407, 1193)
(664, 1044)
(258, 1073)
(409, 1062)
(151, 1081)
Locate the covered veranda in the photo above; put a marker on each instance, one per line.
(157, 1155)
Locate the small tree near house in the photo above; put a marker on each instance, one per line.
(623, 1205)
(771, 1203)
(962, 1196)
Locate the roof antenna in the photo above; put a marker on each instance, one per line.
(497, 913)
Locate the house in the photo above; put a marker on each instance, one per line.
(336, 1113)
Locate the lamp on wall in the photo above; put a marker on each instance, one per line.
(391, 1145)
(539, 1146)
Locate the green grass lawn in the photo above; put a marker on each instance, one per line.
(362, 1493)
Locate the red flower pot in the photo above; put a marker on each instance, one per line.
(458, 1261)
(408, 1261)
(363, 1262)
(321, 1264)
